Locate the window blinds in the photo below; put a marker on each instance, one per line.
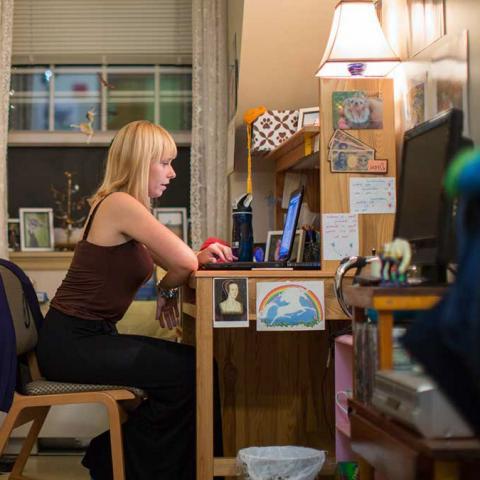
(102, 31)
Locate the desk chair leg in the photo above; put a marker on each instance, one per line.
(29, 441)
(7, 426)
(116, 440)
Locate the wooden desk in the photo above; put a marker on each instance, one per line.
(256, 373)
(399, 453)
(385, 445)
(386, 301)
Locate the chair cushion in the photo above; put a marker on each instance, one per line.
(45, 387)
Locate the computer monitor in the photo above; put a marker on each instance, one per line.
(425, 216)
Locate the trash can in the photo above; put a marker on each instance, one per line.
(280, 463)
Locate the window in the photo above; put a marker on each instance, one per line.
(57, 98)
(29, 102)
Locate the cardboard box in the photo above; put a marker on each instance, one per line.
(272, 128)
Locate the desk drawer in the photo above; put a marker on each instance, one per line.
(384, 453)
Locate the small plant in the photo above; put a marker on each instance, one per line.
(68, 207)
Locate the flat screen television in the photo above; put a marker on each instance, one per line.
(425, 216)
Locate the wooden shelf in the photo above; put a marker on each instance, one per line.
(309, 162)
(385, 298)
(298, 146)
(42, 260)
(296, 154)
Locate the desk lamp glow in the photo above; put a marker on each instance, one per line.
(357, 45)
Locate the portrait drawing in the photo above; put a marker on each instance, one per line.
(231, 302)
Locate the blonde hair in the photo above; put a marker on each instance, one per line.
(131, 152)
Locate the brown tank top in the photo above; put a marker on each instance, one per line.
(102, 281)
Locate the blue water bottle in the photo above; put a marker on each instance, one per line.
(242, 231)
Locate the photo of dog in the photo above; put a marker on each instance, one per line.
(357, 110)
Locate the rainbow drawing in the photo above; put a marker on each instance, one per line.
(289, 305)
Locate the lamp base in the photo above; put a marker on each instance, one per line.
(357, 69)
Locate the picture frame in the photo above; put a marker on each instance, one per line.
(230, 300)
(430, 86)
(36, 229)
(175, 219)
(357, 110)
(273, 241)
(308, 117)
(13, 234)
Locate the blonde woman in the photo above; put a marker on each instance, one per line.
(79, 342)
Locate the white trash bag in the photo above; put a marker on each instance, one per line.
(280, 463)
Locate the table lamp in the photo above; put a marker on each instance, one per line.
(357, 45)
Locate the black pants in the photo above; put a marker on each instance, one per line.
(159, 436)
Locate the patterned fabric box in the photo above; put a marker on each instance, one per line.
(272, 128)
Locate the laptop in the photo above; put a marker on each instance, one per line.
(286, 244)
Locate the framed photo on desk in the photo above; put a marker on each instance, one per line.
(36, 229)
(308, 117)
(13, 234)
(175, 219)
(273, 244)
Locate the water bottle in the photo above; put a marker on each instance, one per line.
(242, 231)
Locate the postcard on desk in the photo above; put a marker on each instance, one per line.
(290, 305)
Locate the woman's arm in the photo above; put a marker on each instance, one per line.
(172, 278)
(132, 219)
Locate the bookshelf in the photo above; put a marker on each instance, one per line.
(328, 192)
(296, 154)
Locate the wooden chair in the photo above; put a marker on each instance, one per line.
(33, 399)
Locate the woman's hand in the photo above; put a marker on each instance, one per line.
(215, 252)
(167, 312)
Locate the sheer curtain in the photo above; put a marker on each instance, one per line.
(208, 189)
(6, 20)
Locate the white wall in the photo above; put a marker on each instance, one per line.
(459, 15)
(281, 47)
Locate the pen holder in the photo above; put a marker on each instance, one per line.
(311, 251)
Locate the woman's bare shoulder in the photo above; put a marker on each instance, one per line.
(119, 210)
(121, 204)
(121, 198)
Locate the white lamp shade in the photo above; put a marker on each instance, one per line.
(356, 37)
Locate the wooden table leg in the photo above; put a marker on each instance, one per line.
(204, 353)
(446, 470)
(365, 470)
(385, 340)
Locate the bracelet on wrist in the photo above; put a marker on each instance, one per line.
(167, 293)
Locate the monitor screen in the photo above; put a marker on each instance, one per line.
(424, 214)
(290, 226)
